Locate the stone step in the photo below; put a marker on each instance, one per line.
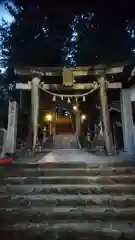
(72, 164)
(70, 180)
(52, 200)
(41, 171)
(78, 213)
(65, 229)
(68, 189)
(63, 200)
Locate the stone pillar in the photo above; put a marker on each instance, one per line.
(127, 120)
(35, 109)
(78, 122)
(105, 117)
(4, 141)
(12, 127)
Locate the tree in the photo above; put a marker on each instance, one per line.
(102, 40)
(38, 37)
(130, 27)
(34, 38)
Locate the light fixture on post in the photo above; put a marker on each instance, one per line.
(84, 99)
(54, 98)
(61, 97)
(75, 108)
(83, 117)
(48, 117)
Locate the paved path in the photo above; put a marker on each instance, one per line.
(68, 194)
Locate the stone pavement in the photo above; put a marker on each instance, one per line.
(74, 155)
(68, 194)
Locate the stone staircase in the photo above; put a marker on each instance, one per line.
(62, 141)
(66, 141)
(63, 200)
(64, 128)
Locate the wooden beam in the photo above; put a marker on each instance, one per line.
(23, 86)
(87, 86)
(114, 70)
(77, 71)
(114, 85)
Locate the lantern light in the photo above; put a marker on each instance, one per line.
(75, 108)
(83, 117)
(48, 117)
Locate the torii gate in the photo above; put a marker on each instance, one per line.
(100, 72)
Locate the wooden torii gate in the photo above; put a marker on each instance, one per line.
(101, 74)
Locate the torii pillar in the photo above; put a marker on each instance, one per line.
(105, 116)
(78, 122)
(35, 109)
